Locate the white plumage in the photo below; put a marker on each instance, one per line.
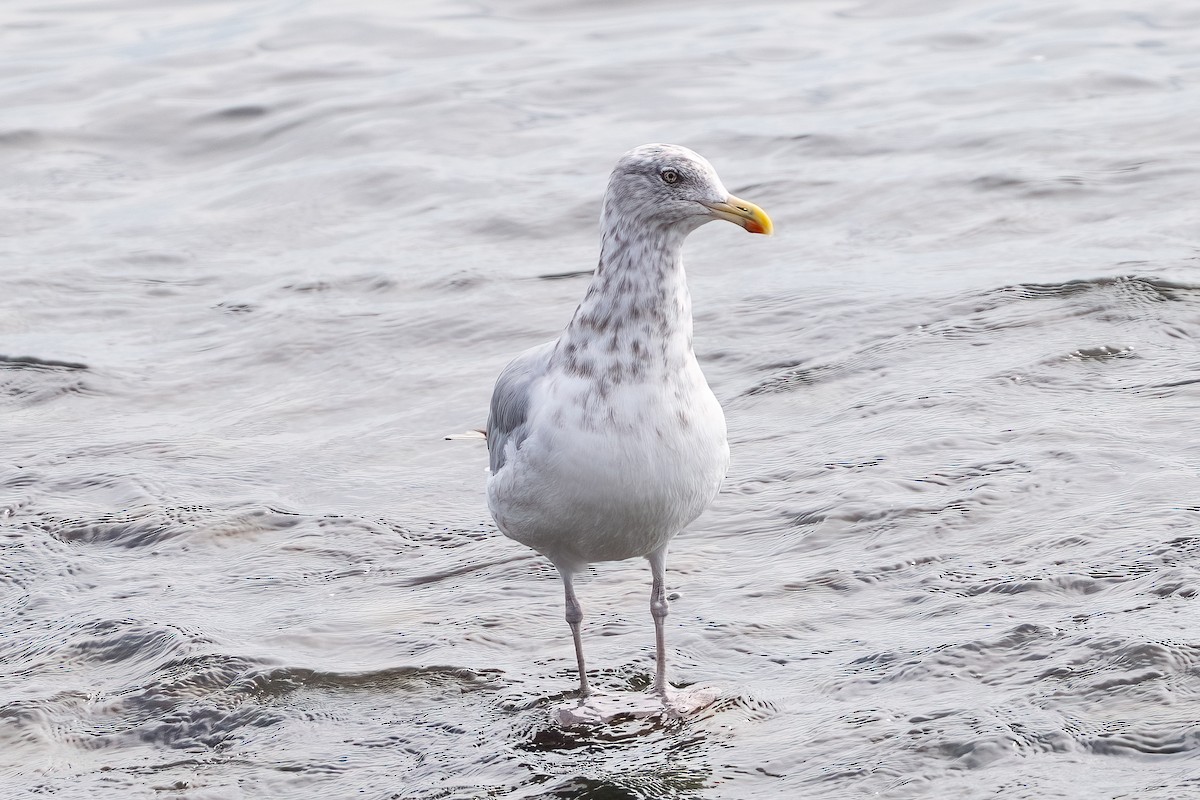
(607, 442)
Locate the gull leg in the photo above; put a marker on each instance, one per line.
(658, 610)
(574, 617)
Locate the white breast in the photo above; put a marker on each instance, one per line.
(609, 473)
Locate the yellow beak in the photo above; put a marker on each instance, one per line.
(744, 213)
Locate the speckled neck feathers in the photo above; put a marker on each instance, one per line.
(635, 322)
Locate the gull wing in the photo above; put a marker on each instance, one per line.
(509, 411)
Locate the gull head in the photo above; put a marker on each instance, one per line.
(671, 187)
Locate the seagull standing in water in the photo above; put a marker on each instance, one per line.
(607, 442)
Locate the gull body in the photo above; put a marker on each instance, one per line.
(607, 442)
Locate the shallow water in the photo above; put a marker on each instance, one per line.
(259, 257)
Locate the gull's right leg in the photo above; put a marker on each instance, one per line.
(574, 617)
(658, 610)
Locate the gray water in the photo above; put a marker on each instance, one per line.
(257, 258)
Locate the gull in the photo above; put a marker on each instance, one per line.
(607, 442)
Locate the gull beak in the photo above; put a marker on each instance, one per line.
(744, 213)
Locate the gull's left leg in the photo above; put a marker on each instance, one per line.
(574, 617)
(658, 610)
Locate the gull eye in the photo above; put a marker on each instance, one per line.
(670, 176)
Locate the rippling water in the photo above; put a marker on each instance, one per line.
(258, 257)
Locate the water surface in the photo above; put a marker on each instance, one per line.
(257, 258)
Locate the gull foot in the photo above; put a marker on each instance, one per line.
(605, 709)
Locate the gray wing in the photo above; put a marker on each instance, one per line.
(510, 401)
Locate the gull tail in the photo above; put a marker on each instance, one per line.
(476, 434)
